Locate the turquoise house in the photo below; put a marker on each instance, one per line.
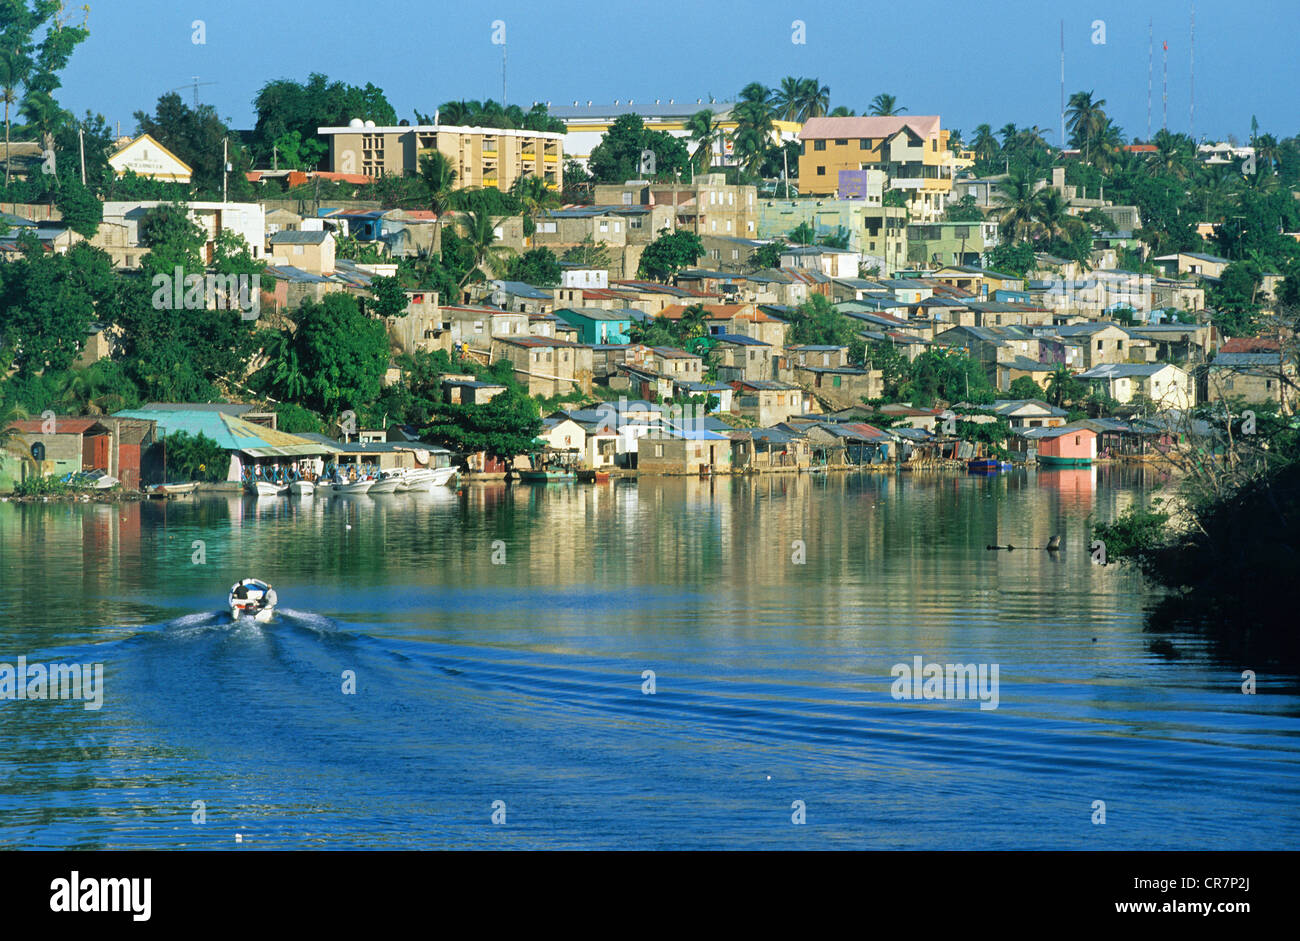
(596, 325)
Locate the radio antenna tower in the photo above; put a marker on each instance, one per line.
(1192, 106)
(1164, 86)
(1150, 59)
(1061, 140)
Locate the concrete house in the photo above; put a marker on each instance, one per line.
(597, 325)
(768, 402)
(736, 357)
(1164, 384)
(312, 252)
(547, 367)
(1255, 378)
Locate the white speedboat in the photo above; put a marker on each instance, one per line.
(390, 482)
(253, 599)
(426, 479)
(264, 488)
(351, 487)
(302, 488)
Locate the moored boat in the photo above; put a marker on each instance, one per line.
(1051, 460)
(263, 488)
(178, 489)
(547, 475)
(983, 466)
(346, 488)
(390, 482)
(302, 488)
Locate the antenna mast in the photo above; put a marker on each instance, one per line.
(1192, 106)
(1062, 137)
(1150, 60)
(1164, 86)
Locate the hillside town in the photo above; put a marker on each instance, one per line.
(654, 287)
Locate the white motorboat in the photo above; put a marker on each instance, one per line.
(302, 488)
(252, 598)
(390, 482)
(345, 488)
(426, 479)
(174, 489)
(264, 488)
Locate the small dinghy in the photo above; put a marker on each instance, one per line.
(252, 598)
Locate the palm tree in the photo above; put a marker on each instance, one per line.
(753, 135)
(1267, 149)
(843, 112)
(1086, 121)
(1051, 212)
(705, 133)
(1170, 158)
(459, 113)
(814, 98)
(13, 72)
(480, 232)
(985, 144)
(1008, 134)
(757, 93)
(788, 98)
(43, 114)
(886, 105)
(440, 177)
(9, 435)
(1018, 199)
(1060, 385)
(534, 195)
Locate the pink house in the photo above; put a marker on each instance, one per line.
(1067, 446)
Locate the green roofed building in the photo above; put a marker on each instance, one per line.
(247, 442)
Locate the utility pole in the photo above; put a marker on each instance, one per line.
(225, 168)
(503, 76)
(1164, 87)
(1192, 104)
(81, 142)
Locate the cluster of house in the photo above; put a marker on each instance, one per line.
(901, 274)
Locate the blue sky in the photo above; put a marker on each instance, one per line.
(969, 62)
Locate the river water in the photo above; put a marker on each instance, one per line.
(501, 646)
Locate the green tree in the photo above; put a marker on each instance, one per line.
(194, 457)
(505, 427)
(197, 136)
(886, 105)
(668, 254)
(766, 256)
(803, 234)
(588, 254)
(387, 297)
(537, 266)
(440, 177)
(342, 353)
(618, 155)
(1025, 388)
(285, 107)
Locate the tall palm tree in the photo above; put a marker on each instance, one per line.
(1008, 134)
(788, 98)
(13, 72)
(753, 135)
(1267, 149)
(842, 112)
(1170, 158)
(9, 436)
(480, 232)
(1018, 200)
(440, 178)
(1050, 212)
(814, 98)
(1060, 385)
(1086, 121)
(757, 93)
(705, 133)
(886, 105)
(534, 195)
(985, 144)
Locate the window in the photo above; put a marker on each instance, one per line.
(735, 254)
(712, 197)
(1078, 439)
(618, 227)
(478, 326)
(841, 142)
(659, 450)
(819, 145)
(634, 223)
(821, 171)
(864, 143)
(627, 199)
(604, 227)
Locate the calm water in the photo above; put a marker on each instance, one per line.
(522, 682)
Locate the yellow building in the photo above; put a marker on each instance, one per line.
(147, 158)
(912, 150)
(481, 156)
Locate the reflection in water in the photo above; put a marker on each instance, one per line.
(498, 639)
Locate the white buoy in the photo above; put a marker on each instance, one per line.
(239, 838)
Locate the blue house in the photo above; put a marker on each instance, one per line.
(596, 325)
